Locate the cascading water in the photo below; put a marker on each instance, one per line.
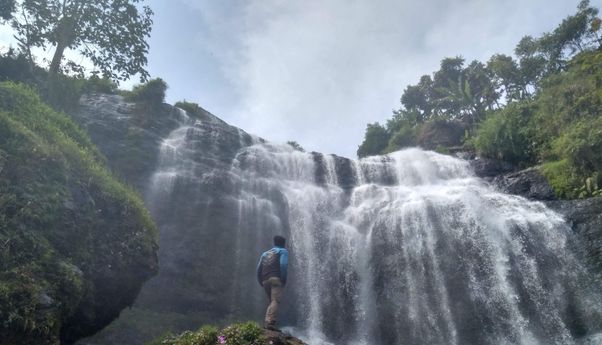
(407, 248)
(418, 251)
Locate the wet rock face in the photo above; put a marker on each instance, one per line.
(280, 338)
(529, 183)
(129, 135)
(489, 168)
(585, 217)
(218, 199)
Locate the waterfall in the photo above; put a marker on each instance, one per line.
(407, 248)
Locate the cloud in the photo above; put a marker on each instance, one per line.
(318, 71)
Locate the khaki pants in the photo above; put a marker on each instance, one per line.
(273, 288)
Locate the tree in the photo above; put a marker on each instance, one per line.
(375, 141)
(507, 77)
(548, 54)
(418, 98)
(7, 7)
(295, 145)
(110, 33)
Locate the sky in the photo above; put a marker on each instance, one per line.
(317, 72)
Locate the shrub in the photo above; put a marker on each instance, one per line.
(193, 109)
(404, 137)
(375, 140)
(440, 132)
(206, 335)
(15, 67)
(247, 333)
(581, 145)
(563, 178)
(506, 135)
(296, 146)
(152, 92)
(101, 85)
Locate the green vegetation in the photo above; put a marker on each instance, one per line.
(295, 145)
(61, 92)
(506, 135)
(543, 106)
(248, 333)
(190, 107)
(63, 216)
(110, 33)
(151, 92)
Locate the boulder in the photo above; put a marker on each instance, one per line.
(489, 168)
(281, 338)
(529, 183)
(440, 133)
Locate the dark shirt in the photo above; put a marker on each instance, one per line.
(273, 263)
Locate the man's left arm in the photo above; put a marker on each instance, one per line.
(283, 265)
(259, 271)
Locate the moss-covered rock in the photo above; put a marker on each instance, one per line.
(247, 333)
(75, 243)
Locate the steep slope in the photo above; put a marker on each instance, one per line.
(75, 244)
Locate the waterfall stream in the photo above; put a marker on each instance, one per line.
(407, 248)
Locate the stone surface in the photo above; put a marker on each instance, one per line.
(76, 245)
(529, 183)
(440, 133)
(282, 338)
(490, 168)
(585, 218)
(200, 222)
(129, 135)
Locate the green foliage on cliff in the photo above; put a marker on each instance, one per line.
(152, 92)
(543, 106)
(62, 92)
(375, 141)
(561, 127)
(506, 134)
(248, 333)
(193, 109)
(66, 224)
(295, 145)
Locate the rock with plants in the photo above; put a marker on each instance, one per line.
(76, 244)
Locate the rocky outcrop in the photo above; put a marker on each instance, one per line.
(485, 167)
(76, 244)
(218, 201)
(585, 218)
(281, 338)
(529, 183)
(440, 133)
(584, 215)
(190, 197)
(128, 134)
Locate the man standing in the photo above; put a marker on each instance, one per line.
(271, 274)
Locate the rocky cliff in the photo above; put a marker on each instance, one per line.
(76, 244)
(584, 215)
(219, 194)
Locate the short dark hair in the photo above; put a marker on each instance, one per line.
(279, 241)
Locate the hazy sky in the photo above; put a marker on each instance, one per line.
(318, 71)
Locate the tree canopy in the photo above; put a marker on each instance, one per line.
(542, 106)
(110, 33)
(468, 92)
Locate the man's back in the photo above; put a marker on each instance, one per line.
(273, 263)
(271, 275)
